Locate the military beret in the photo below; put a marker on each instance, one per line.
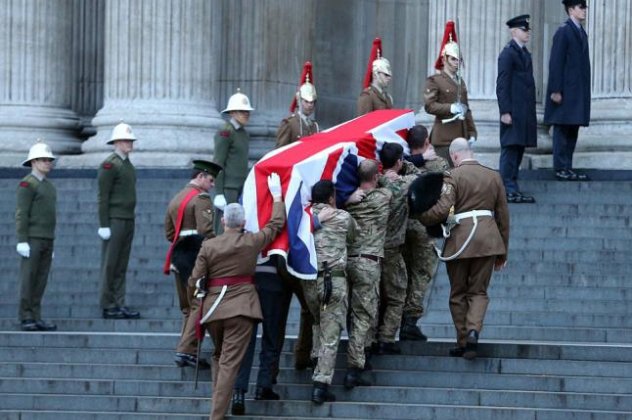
(521, 22)
(211, 168)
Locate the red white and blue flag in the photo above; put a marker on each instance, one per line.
(333, 154)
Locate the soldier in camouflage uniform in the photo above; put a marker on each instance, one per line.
(197, 219)
(418, 251)
(117, 203)
(232, 145)
(327, 296)
(35, 218)
(394, 278)
(365, 256)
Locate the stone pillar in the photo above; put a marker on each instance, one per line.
(35, 78)
(482, 35)
(263, 50)
(160, 66)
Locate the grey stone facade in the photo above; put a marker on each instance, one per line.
(71, 69)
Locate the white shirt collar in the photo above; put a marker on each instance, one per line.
(37, 175)
(120, 154)
(235, 124)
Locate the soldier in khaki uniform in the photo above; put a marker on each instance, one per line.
(117, 203)
(375, 94)
(225, 266)
(232, 144)
(472, 198)
(300, 123)
(327, 296)
(197, 219)
(445, 97)
(35, 218)
(398, 175)
(365, 257)
(418, 250)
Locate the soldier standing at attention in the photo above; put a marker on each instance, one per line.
(300, 124)
(567, 105)
(445, 97)
(473, 201)
(418, 250)
(190, 213)
(232, 144)
(515, 90)
(117, 203)
(327, 296)
(375, 94)
(364, 267)
(35, 218)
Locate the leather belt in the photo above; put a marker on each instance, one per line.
(367, 256)
(230, 281)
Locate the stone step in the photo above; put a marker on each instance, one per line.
(99, 415)
(499, 289)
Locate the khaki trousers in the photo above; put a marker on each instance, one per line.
(33, 278)
(190, 308)
(114, 259)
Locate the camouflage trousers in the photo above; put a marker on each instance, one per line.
(421, 264)
(364, 291)
(392, 294)
(328, 323)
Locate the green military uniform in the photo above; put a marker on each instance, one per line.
(419, 255)
(294, 128)
(441, 92)
(331, 247)
(35, 219)
(197, 219)
(117, 203)
(363, 269)
(231, 153)
(394, 278)
(372, 99)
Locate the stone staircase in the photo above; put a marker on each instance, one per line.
(556, 345)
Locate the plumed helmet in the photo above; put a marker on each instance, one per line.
(306, 89)
(376, 64)
(37, 151)
(238, 102)
(382, 65)
(451, 49)
(122, 131)
(449, 37)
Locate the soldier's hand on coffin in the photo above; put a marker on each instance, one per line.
(274, 185)
(391, 175)
(355, 197)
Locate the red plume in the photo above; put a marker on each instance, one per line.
(306, 75)
(448, 35)
(376, 52)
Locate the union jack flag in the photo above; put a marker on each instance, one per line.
(332, 154)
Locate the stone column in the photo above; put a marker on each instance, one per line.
(35, 78)
(482, 35)
(160, 67)
(263, 50)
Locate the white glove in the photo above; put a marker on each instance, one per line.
(104, 233)
(458, 108)
(24, 249)
(220, 202)
(471, 141)
(274, 185)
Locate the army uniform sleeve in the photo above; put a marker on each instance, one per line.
(504, 81)
(25, 196)
(170, 229)
(352, 230)
(410, 169)
(223, 140)
(273, 227)
(431, 100)
(365, 103)
(201, 265)
(105, 178)
(284, 134)
(204, 215)
(440, 211)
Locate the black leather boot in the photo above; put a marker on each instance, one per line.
(238, 407)
(354, 378)
(410, 331)
(471, 345)
(321, 394)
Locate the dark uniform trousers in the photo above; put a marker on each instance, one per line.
(271, 297)
(564, 142)
(230, 338)
(190, 307)
(231, 195)
(114, 259)
(469, 279)
(34, 276)
(510, 158)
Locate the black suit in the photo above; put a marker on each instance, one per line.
(515, 90)
(569, 74)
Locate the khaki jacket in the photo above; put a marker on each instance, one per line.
(198, 214)
(372, 100)
(294, 128)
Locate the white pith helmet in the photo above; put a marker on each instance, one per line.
(238, 102)
(382, 65)
(37, 151)
(122, 131)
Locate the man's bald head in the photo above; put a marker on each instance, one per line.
(367, 170)
(460, 149)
